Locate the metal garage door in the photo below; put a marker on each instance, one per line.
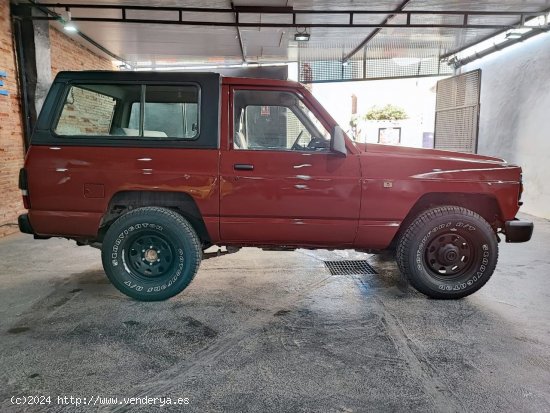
(457, 112)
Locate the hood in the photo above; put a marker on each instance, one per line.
(428, 153)
(398, 162)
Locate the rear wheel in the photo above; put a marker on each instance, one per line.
(151, 253)
(448, 252)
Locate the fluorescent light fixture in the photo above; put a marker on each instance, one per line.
(539, 23)
(70, 27)
(301, 37)
(68, 24)
(499, 38)
(517, 33)
(124, 66)
(513, 35)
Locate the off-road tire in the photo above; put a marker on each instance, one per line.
(447, 252)
(151, 253)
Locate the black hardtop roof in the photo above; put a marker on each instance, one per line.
(98, 75)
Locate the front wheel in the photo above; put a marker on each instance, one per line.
(151, 253)
(448, 252)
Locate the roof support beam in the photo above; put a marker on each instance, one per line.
(348, 16)
(375, 32)
(241, 46)
(279, 10)
(283, 25)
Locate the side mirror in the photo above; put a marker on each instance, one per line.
(338, 142)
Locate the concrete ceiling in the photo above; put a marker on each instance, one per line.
(162, 45)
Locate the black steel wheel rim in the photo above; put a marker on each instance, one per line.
(450, 255)
(150, 254)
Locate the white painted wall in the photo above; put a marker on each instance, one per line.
(415, 96)
(515, 114)
(411, 131)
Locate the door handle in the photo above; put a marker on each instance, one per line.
(243, 167)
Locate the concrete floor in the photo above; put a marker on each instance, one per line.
(273, 331)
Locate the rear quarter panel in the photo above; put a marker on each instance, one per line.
(60, 178)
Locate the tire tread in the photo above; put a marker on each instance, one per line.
(422, 220)
(185, 227)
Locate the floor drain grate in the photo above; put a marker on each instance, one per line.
(349, 267)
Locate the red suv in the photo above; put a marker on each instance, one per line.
(156, 167)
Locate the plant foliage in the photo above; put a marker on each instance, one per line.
(388, 112)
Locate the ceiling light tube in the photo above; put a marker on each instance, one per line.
(68, 24)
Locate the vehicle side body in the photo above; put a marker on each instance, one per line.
(154, 168)
(78, 186)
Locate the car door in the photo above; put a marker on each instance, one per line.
(279, 181)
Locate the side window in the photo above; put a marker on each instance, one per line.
(92, 109)
(170, 111)
(272, 120)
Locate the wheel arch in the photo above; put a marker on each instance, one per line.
(486, 205)
(180, 202)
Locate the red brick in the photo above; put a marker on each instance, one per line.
(66, 54)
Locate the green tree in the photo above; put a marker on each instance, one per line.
(388, 112)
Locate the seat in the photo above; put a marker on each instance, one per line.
(240, 141)
(146, 133)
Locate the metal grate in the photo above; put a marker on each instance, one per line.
(349, 267)
(385, 57)
(457, 112)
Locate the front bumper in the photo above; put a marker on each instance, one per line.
(518, 231)
(25, 224)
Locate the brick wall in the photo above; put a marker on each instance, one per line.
(11, 131)
(66, 54)
(86, 113)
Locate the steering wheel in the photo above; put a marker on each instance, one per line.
(295, 146)
(317, 144)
